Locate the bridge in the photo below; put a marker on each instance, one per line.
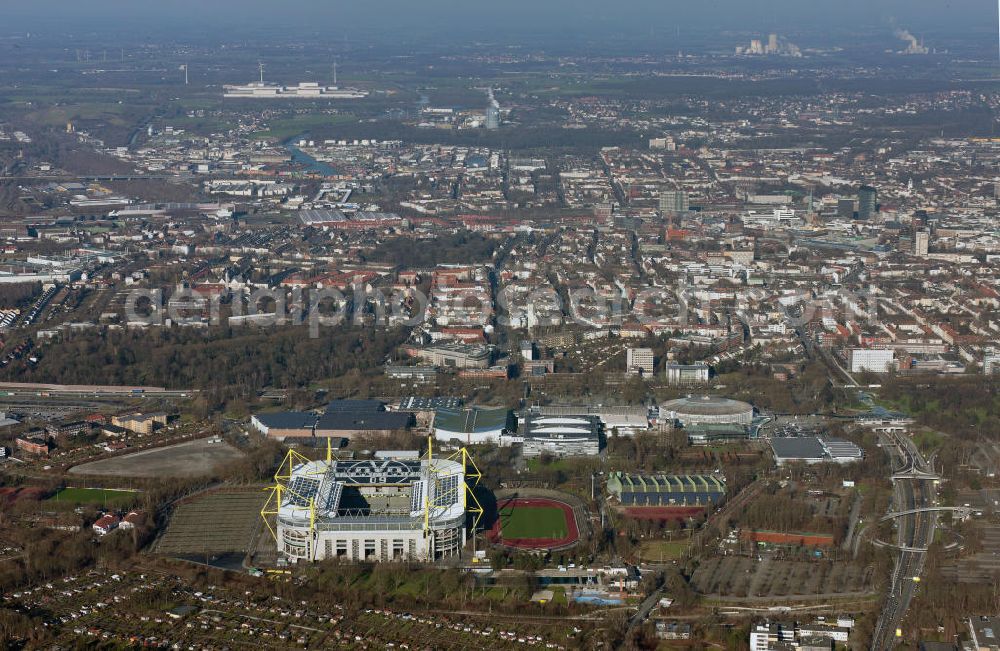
(913, 473)
(902, 548)
(963, 511)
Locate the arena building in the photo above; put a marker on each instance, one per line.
(474, 426)
(371, 510)
(707, 409)
(560, 436)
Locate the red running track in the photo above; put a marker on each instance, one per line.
(572, 533)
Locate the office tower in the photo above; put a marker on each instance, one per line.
(673, 202)
(772, 43)
(867, 202)
(604, 210)
(921, 243)
(845, 208)
(492, 113)
(639, 361)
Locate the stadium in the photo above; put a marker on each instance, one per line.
(537, 520)
(707, 409)
(372, 510)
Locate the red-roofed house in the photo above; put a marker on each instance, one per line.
(106, 524)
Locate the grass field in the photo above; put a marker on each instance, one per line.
(662, 550)
(533, 522)
(98, 496)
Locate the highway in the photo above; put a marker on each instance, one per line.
(915, 532)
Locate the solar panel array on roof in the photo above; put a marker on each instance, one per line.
(337, 406)
(446, 490)
(301, 490)
(416, 403)
(417, 497)
(329, 497)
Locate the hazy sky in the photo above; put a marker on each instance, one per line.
(458, 18)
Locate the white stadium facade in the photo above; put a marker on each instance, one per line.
(371, 510)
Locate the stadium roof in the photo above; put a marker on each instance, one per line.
(620, 482)
(471, 421)
(707, 406)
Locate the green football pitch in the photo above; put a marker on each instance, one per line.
(99, 496)
(533, 522)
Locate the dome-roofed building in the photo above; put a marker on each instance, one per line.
(707, 409)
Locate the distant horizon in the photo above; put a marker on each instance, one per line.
(558, 19)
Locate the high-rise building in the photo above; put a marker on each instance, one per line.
(921, 243)
(845, 208)
(867, 202)
(639, 361)
(673, 202)
(772, 43)
(492, 113)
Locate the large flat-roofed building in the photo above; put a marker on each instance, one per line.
(140, 423)
(708, 433)
(454, 355)
(286, 424)
(814, 449)
(371, 510)
(624, 420)
(707, 409)
(681, 374)
(351, 418)
(425, 374)
(473, 426)
(559, 436)
(342, 419)
(304, 90)
(876, 360)
(666, 490)
(984, 633)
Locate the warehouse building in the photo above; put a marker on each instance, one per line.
(454, 355)
(814, 449)
(666, 490)
(352, 418)
(344, 419)
(681, 374)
